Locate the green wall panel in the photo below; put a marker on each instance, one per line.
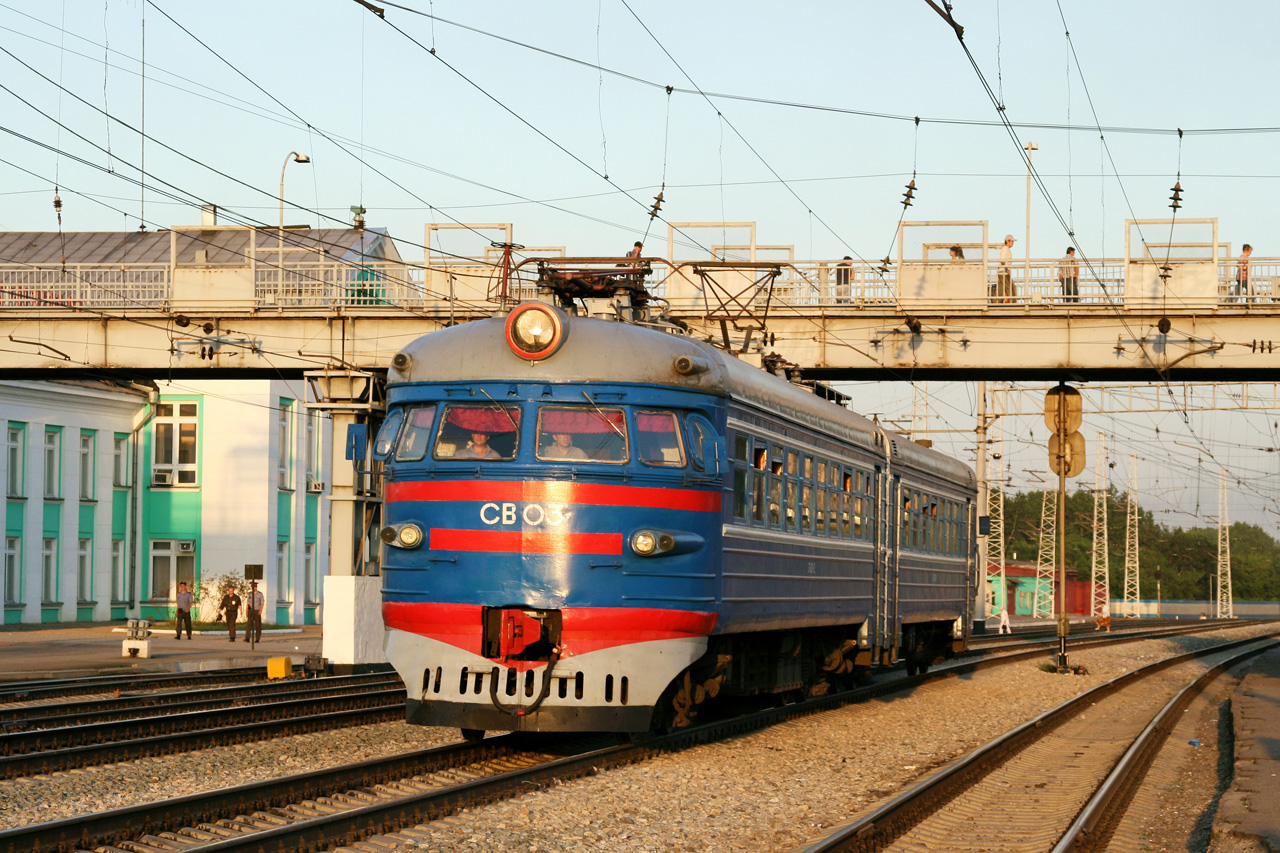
(52, 521)
(313, 519)
(87, 512)
(13, 617)
(14, 513)
(119, 612)
(284, 515)
(119, 513)
(309, 616)
(84, 614)
(50, 614)
(282, 616)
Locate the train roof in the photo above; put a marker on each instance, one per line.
(610, 351)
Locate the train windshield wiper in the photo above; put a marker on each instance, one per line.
(603, 416)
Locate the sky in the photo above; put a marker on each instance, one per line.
(556, 118)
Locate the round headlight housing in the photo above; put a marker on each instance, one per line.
(535, 331)
(644, 543)
(409, 536)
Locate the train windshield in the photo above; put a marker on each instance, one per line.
(416, 434)
(582, 433)
(386, 440)
(471, 431)
(658, 439)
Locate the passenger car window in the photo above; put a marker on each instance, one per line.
(473, 431)
(415, 437)
(580, 433)
(658, 439)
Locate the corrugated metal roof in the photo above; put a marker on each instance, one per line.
(221, 246)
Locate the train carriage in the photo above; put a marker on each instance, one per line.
(599, 525)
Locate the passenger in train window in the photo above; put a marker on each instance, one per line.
(562, 447)
(478, 449)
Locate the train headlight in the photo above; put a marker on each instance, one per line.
(410, 536)
(401, 535)
(535, 331)
(644, 543)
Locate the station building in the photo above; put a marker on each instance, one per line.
(116, 491)
(1021, 583)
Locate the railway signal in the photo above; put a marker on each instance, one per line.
(1064, 413)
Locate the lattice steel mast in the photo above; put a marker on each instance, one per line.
(1224, 607)
(1101, 538)
(995, 514)
(1047, 564)
(1131, 542)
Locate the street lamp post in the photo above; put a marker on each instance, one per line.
(293, 157)
(1026, 247)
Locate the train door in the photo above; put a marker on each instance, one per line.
(886, 561)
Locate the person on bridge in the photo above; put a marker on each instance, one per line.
(185, 601)
(253, 633)
(1241, 288)
(957, 255)
(843, 271)
(1069, 276)
(636, 250)
(1004, 276)
(231, 607)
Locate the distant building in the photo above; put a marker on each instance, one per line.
(1020, 589)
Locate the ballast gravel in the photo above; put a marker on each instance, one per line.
(769, 790)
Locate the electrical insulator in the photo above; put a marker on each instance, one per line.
(1176, 198)
(909, 194)
(657, 205)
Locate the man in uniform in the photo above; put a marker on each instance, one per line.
(185, 602)
(231, 607)
(256, 602)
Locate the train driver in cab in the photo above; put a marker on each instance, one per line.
(478, 449)
(562, 447)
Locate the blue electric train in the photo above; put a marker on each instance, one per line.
(598, 524)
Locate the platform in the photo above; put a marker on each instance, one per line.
(70, 651)
(1250, 809)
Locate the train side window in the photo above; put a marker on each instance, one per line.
(658, 439)
(789, 501)
(387, 434)
(821, 476)
(703, 447)
(740, 493)
(757, 496)
(741, 447)
(478, 432)
(775, 502)
(806, 508)
(415, 436)
(793, 463)
(808, 468)
(581, 433)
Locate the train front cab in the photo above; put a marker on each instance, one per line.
(559, 576)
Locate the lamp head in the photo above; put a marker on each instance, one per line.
(301, 158)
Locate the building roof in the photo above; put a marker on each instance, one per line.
(222, 246)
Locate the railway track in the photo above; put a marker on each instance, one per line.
(346, 804)
(50, 744)
(1059, 782)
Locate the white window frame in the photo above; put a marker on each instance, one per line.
(49, 571)
(52, 463)
(120, 461)
(15, 444)
(88, 448)
(84, 570)
(174, 473)
(284, 430)
(311, 592)
(284, 573)
(117, 570)
(315, 430)
(12, 570)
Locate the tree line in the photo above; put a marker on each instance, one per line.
(1186, 557)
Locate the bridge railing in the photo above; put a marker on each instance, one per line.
(820, 284)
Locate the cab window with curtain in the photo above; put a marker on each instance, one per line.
(579, 433)
(478, 432)
(658, 439)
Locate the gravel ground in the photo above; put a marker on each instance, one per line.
(770, 790)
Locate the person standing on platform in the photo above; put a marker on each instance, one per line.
(1004, 621)
(185, 602)
(1069, 276)
(230, 607)
(1004, 275)
(253, 633)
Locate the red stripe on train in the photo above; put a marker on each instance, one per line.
(596, 494)
(524, 542)
(583, 629)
